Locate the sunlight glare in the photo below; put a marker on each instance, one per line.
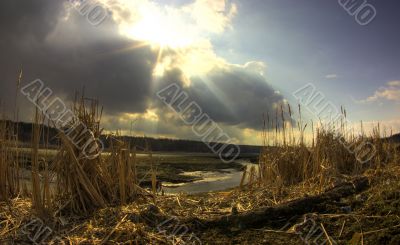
(163, 28)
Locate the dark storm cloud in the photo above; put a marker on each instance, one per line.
(232, 95)
(29, 19)
(60, 47)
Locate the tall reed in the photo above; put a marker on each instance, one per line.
(332, 150)
(90, 183)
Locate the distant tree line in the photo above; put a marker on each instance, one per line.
(49, 138)
(175, 145)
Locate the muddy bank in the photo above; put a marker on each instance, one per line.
(174, 169)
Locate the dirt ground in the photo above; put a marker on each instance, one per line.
(369, 217)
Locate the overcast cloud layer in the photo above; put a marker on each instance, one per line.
(51, 41)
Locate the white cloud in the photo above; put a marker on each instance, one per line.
(212, 15)
(256, 66)
(394, 83)
(331, 76)
(389, 92)
(182, 34)
(169, 25)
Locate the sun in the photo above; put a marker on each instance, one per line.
(161, 27)
(174, 34)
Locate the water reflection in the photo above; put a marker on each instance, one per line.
(211, 181)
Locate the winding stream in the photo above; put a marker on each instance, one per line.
(211, 181)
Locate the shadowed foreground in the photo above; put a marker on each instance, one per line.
(369, 213)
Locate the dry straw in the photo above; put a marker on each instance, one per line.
(331, 153)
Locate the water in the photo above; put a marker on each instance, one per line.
(211, 181)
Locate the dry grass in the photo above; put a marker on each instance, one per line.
(70, 182)
(332, 153)
(41, 199)
(375, 212)
(86, 184)
(9, 166)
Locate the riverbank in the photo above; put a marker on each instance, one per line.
(177, 172)
(174, 168)
(370, 215)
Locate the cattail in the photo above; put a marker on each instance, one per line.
(283, 125)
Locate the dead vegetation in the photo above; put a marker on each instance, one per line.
(9, 167)
(334, 151)
(81, 183)
(294, 179)
(371, 216)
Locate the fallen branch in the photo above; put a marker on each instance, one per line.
(272, 215)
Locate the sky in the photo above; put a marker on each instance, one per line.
(237, 60)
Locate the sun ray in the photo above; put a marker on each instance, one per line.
(128, 49)
(159, 66)
(160, 53)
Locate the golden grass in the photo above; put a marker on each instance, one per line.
(70, 181)
(40, 193)
(85, 183)
(332, 152)
(9, 166)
